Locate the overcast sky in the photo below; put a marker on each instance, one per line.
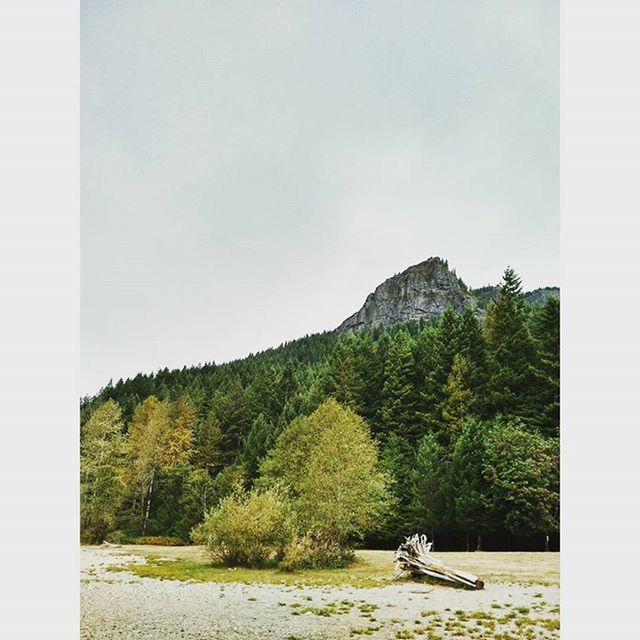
(252, 170)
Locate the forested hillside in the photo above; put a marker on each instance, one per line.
(465, 414)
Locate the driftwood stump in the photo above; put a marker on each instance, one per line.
(413, 557)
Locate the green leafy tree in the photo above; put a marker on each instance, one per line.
(182, 422)
(101, 469)
(330, 464)
(523, 469)
(146, 443)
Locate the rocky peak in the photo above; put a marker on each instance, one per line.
(422, 291)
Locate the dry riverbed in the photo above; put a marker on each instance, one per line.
(119, 601)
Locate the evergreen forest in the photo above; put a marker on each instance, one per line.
(463, 413)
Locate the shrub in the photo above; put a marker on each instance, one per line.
(163, 541)
(247, 528)
(312, 551)
(119, 537)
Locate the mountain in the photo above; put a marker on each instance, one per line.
(423, 292)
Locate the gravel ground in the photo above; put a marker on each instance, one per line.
(124, 606)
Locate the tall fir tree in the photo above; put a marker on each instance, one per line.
(445, 345)
(473, 346)
(473, 503)
(431, 488)
(511, 350)
(261, 438)
(342, 380)
(397, 410)
(545, 328)
(459, 403)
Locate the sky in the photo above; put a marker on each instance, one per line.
(250, 171)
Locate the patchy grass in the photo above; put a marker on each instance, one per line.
(371, 569)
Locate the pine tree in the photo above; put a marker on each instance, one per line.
(445, 345)
(460, 402)
(545, 328)
(260, 439)
(473, 502)
(398, 460)
(207, 450)
(511, 350)
(397, 412)
(341, 380)
(370, 369)
(473, 346)
(431, 488)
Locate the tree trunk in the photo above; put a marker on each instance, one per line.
(146, 514)
(413, 557)
(479, 546)
(467, 541)
(433, 539)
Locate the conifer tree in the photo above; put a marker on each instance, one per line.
(473, 502)
(207, 450)
(397, 459)
(431, 487)
(342, 381)
(546, 333)
(473, 346)
(460, 402)
(369, 363)
(445, 345)
(260, 439)
(397, 411)
(511, 350)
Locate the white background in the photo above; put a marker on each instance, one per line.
(39, 355)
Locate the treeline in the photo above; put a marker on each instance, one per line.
(465, 415)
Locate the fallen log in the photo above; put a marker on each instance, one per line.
(110, 545)
(413, 557)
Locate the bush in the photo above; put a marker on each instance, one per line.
(247, 529)
(119, 537)
(163, 541)
(312, 551)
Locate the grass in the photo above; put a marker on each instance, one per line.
(371, 569)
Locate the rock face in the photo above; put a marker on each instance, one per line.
(423, 291)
